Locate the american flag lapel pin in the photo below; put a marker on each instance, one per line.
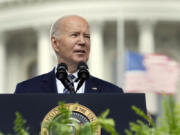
(94, 88)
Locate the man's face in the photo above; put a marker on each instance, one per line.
(73, 44)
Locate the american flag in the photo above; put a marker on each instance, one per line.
(156, 73)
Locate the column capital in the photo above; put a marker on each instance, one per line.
(96, 26)
(146, 24)
(42, 29)
(146, 36)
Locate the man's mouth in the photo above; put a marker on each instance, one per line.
(80, 51)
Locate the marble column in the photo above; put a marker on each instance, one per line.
(96, 61)
(3, 63)
(146, 36)
(146, 45)
(44, 60)
(120, 52)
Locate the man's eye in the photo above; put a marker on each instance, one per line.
(87, 36)
(74, 35)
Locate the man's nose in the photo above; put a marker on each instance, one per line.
(82, 40)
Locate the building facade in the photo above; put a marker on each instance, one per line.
(142, 26)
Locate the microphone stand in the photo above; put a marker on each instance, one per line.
(61, 74)
(83, 74)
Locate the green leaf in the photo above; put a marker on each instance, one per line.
(143, 115)
(19, 125)
(168, 124)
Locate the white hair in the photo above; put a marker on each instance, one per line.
(56, 26)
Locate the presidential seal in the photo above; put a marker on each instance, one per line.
(80, 115)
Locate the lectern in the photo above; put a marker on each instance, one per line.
(34, 107)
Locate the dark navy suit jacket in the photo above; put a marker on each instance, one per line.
(46, 83)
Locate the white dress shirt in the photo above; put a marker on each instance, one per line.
(60, 86)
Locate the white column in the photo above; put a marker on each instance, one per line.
(3, 63)
(44, 63)
(146, 45)
(146, 36)
(120, 52)
(96, 61)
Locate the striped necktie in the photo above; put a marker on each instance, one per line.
(71, 83)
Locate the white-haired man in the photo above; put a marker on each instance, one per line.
(70, 38)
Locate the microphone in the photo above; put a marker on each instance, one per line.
(83, 74)
(61, 74)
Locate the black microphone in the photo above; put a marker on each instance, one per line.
(61, 74)
(83, 74)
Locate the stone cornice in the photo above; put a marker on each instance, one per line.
(34, 14)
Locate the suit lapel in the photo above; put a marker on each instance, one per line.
(49, 82)
(91, 86)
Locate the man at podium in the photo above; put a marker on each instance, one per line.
(70, 39)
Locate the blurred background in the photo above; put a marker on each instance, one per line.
(135, 44)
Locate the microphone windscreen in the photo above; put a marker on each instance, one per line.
(62, 66)
(83, 71)
(82, 65)
(61, 73)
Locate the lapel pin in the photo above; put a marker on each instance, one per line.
(94, 88)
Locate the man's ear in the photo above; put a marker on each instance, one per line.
(55, 44)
